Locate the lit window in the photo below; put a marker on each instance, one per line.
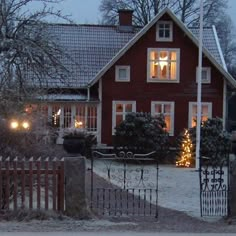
(205, 114)
(81, 116)
(164, 31)
(86, 117)
(163, 65)
(56, 113)
(206, 75)
(120, 109)
(122, 73)
(167, 110)
(67, 117)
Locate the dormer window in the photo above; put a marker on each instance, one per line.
(164, 31)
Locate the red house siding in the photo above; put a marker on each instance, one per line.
(143, 93)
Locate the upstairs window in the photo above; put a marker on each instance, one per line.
(206, 75)
(164, 31)
(122, 73)
(163, 65)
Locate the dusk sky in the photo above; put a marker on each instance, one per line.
(86, 11)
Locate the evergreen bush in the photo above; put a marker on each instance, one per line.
(215, 141)
(142, 133)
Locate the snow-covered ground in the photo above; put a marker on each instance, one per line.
(178, 188)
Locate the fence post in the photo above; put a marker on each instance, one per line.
(75, 202)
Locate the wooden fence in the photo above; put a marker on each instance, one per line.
(32, 184)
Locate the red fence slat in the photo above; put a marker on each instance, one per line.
(7, 184)
(31, 183)
(61, 187)
(38, 164)
(22, 183)
(46, 183)
(15, 184)
(30, 179)
(54, 184)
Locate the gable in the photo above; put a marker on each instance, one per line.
(209, 40)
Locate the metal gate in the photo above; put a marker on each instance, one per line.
(214, 185)
(130, 186)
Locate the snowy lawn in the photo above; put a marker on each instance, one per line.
(178, 188)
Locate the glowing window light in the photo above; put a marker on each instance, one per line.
(78, 124)
(59, 112)
(162, 62)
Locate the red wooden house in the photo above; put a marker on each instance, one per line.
(121, 69)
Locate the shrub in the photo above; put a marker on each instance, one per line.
(79, 141)
(141, 132)
(215, 142)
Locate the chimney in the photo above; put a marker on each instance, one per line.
(125, 20)
(125, 17)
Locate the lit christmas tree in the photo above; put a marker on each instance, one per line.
(186, 151)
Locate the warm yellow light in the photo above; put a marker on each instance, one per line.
(14, 125)
(162, 62)
(78, 124)
(25, 125)
(186, 154)
(59, 112)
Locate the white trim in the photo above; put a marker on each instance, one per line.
(99, 114)
(88, 93)
(73, 114)
(219, 48)
(164, 39)
(156, 80)
(190, 111)
(62, 118)
(49, 118)
(224, 115)
(189, 34)
(172, 112)
(123, 113)
(208, 72)
(117, 78)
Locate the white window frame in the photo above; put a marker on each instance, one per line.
(208, 72)
(172, 112)
(114, 113)
(190, 111)
(117, 78)
(88, 119)
(164, 39)
(158, 50)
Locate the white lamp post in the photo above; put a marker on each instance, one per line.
(199, 89)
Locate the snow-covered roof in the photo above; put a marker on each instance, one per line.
(92, 48)
(209, 42)
(63, 97)
(88, 48)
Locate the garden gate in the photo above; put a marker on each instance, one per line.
(132, 186)
(214, 185)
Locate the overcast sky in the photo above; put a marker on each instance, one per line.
(86, 11)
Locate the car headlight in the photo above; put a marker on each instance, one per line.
(14, 124)
(25, 125)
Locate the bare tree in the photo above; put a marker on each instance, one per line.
(145, 10)
(28, 53)
(227, 35)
